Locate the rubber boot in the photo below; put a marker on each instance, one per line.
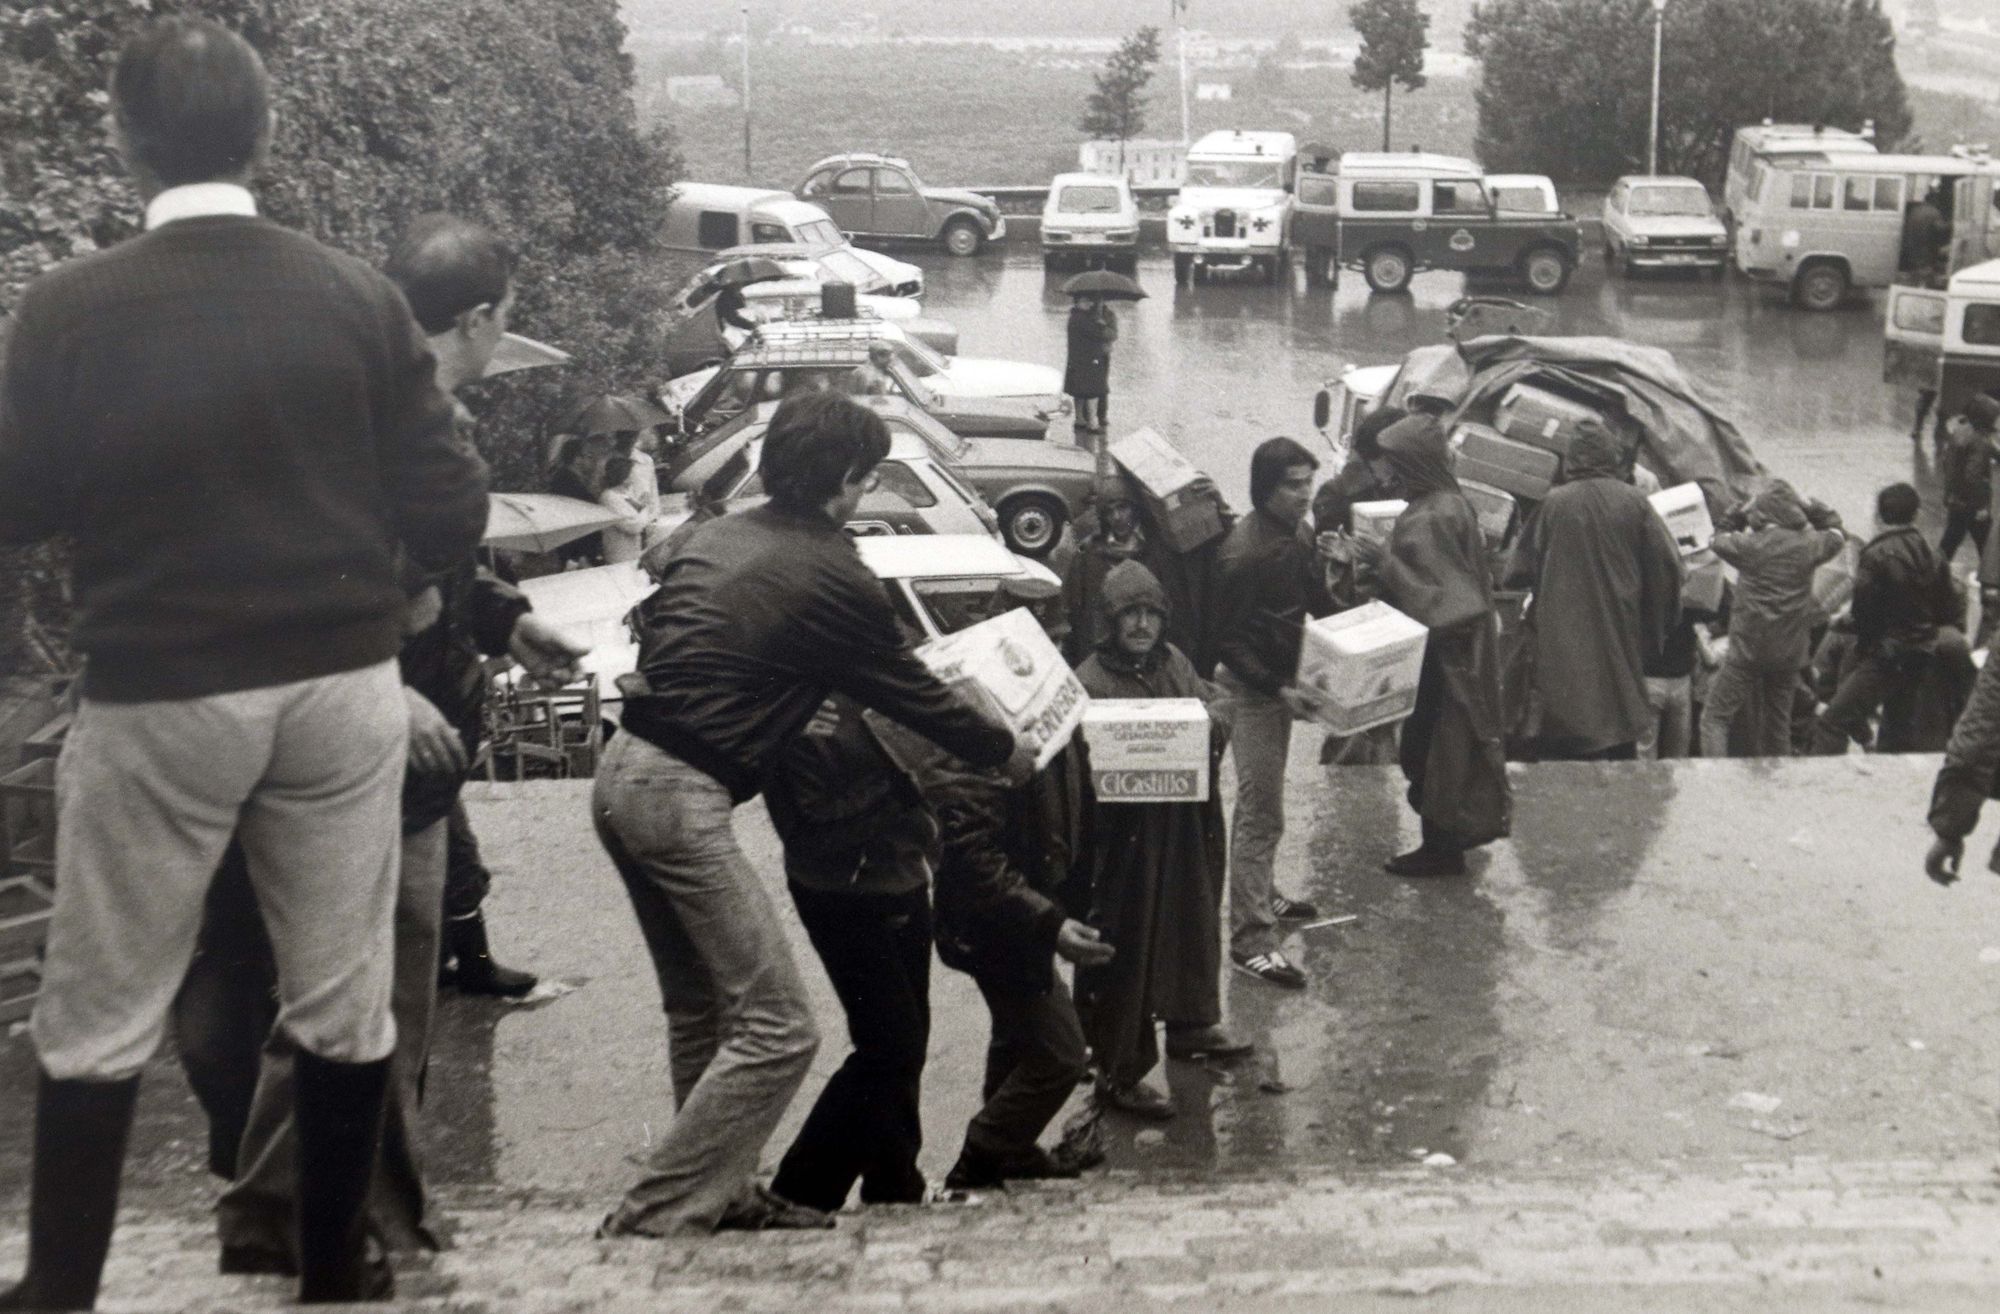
(339, 1115)
(80, 1133)
(477, 973)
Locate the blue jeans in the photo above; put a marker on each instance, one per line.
(740, 1034)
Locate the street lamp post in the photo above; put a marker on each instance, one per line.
(748, 176)
(1653, 130)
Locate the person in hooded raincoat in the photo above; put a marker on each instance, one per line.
(1607, 583)
(1157, 873)
(1433, 569)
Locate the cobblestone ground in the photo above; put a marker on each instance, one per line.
(1802, 1235)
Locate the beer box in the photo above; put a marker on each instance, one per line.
(1359, 669)
(1166, 478)
(1495, 508)
(1374, 520)
(1009, 666)
(1148, 750)
(1702, 588)
(1686, 512)
(1539, 417)
(1488, 457)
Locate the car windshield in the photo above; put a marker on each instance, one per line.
(1675, 202)
(959, 603)
(923, 362)
(1234, 173)
(848, 267)
(820, 233)
(1088, 200)
(935, 436)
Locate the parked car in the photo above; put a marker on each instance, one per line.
(705, 218)
(699, 340)
(1033, 484)
(1661, 222)
(1091, 217)
(1401, 213)
(1235, 209)
(879, 196)
(939, 584)
(971, 396)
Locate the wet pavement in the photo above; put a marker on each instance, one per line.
(1224, 365)
(1693, 963)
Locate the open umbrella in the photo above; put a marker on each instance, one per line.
(745, 270)
(615, 413)
(516, 352)
(1104, 283)
(541, 522)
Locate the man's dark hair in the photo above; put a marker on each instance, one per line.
(446, 266)
(1268, 464)
(192, 100)
(1982, 412)
(1368, 433)
(817, 442)
(1897, 505)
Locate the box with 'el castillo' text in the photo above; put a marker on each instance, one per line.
(1148, 750)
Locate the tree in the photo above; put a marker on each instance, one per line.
(1565, 85)
(517, 113)
(1116, 111)
(1394, 36)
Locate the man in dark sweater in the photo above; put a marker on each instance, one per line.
(758, 617)
(242, 434)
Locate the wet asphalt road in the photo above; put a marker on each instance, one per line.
(1221, 366)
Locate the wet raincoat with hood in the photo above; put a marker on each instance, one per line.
(1607, 583)
(1157, 869)
(1434, 570)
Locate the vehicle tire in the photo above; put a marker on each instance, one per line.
(1032, 522)
(1546, 271)
(963, 238)
(1183, 270)
(1388, 269)
(1821, 286)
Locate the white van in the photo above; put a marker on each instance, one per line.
(1946, 340)
(707, 217)
(1235, 209)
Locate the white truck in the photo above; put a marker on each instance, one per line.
(1234, 210)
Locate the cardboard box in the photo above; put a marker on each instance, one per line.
(1166, 477)
(1706, 578)
(1374, 520)
(1541, 418)
(1009, 666)
(1359, 669)
(1148, 750)
(1488, 457)
(1495, 507)
(1685, 510)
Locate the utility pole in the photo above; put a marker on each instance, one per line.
(1653, 132)
(1180, 32)
(748, 175)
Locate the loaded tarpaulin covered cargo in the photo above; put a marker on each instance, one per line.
(1545, 419)
(1491, 458)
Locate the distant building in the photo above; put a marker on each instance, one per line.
(1213, 91)
(1148, 161)
(701, 91)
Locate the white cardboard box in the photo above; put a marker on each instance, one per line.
(1686, 512)
(1359, 669)
(1010, 666)
(1374, 520)
(1148, 750)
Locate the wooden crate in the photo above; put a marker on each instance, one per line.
(25, 904)
(47, 741)
(28, 820)
(20, 982)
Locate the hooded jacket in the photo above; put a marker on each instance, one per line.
(1771, 619)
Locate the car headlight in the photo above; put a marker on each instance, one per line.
(1719, 239)
(1055, 234)
(1640, 239)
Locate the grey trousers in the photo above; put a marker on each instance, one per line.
(260, 1206)
(1260, 742)
(740, 1033)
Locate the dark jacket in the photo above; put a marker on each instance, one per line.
(1770, 626)
(241, 432)
(1088, 368)
(1900, 594)
(1965, 468)
(443, 663)
(1971, 771)
(757, 618)
(1270, 585)
(850, 818)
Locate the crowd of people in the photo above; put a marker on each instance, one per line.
(283, 626)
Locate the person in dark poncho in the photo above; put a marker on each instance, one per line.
(1433, 569)
(1157, 872)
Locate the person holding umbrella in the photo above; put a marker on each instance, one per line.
(1092, 330)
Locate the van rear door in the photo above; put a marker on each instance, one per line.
(1971, 359)
(1912, 336)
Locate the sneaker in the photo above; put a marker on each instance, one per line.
(1197, 1043)
(1426, 862)
(1137, 1099)
(764, 1210)
(1273, 967)
(1291, 910)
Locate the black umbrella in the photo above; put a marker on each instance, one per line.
(1104, 283)
(747, 270)
(615, 413)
